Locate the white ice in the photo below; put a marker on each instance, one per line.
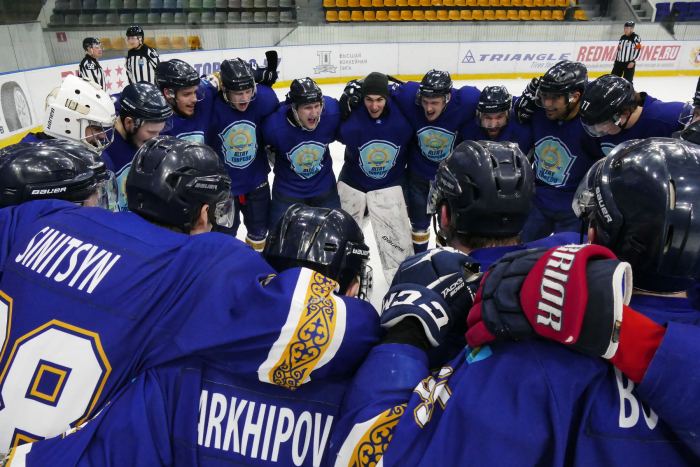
(667, 89)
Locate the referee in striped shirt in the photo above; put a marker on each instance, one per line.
(89, 67)
(628, 51)
(141, 60)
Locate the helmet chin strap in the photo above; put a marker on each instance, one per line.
(569, 108)
(442, 241)
(303, 127)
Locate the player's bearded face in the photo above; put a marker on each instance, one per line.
(240, 99)
(494, 123)
(554, 105)
(433, 107)
(148, 130)
(309, 115)
(186, 100)
(375, 105)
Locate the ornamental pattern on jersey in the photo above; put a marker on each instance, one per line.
(239, 144)
(553, 161)
(435, 143)
(122, 204)
(431, 390)
(377, 158)
(196, 136)
(371, 447)
(307, 158)
(312, 336)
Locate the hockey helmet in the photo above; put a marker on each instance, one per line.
(90, 42)
(135, 31)
(494, 99)
(564, 78)
(603, 103)
(143, 102)
(435, 83)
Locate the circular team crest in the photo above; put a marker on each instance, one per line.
(435, 143)
(695, 56)
(553, 161)
(307, 158)
(377, 157)
(239, 144)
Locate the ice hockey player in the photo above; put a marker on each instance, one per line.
(80, 112)
(141, 59)
(436, 112)
(299, 133)
(589, 411)
(143, 114)
(494, 120)
(90, 68)
(376, 137)
(235, 133)
(560, 158)
(612, 113)
(198, 412)
(190, 97)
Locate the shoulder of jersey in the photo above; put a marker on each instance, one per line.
(152, 52)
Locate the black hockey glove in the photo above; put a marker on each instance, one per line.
(266, 76)
(526, 104)
(351, 98)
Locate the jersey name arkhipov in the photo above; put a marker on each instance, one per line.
(49, 249)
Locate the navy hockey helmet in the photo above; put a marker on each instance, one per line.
(143, 102)
(236, 75)
(304, 91)
(90, 42)
(564, 78)
(435, 83)
(328, 241)
(171, 178)
(494, 99)
(646, 195)
(135, 31)
(603, 103)
(176, 74)
(629, 24)
(487, 185)
(691, 133)
(30, 172)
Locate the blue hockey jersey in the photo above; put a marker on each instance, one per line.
(561, 160)
(237, 138)
(91, 298)
(513, 132)
(434, 141)
(375, 149)
(194, 128)
(533, 402)
(303, 167)
(121, 154)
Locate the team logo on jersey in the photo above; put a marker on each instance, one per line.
(307, 158)
(378, 157)
(239, 144)
(553, 160)
(435, 143)
(607, 147)
(122, 205)
(196, 136)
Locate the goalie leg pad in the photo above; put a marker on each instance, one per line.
(353, 201)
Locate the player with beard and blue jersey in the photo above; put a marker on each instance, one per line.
(436, 112)
(299, 133)
(612, 113)
(199, 412)
(494, 120)
(190, 97)
(143, 114)
(235, 133)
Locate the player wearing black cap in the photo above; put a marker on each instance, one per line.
(628, 50)
(141, 59)
(89, 67)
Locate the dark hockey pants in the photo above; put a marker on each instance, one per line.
(620, 69)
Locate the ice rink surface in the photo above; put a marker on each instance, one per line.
(667, 89)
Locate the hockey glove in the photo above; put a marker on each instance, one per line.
(572, 294)
(263, 75)
(526, 105)
(213, 79)
(351, 98)
(436, 288)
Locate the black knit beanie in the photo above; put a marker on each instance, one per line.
(376, 84)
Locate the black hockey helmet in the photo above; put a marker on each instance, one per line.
(236, 75)
(144, 103)
(170, 178)
(435, 83)
(135, 31)
(646, 195)
(30, 172)
(487, 185)
(328, 241)
(176, 74)
(304, 91)
(564, 78)
(494, 99)
(629, 24)
(604, 101)
(691, 133)
(90, 42)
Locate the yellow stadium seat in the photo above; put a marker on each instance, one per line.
(546, 15)
(401, 2)
(538, 3)
(328, 3)
(344, 15)
(580, 15)
(472, 2)
(150, 41)
(430, 15)
(357, 16)
(489, 15)
(483, 3)
(107, 43)
(460, 2)
(377, 3)
(524, 15)
(478, 15)
(366, 3)
(465, 15)
(549, 3)
(435, 2)
(449, 2)
(341, 3)
(512, 15)
(354, 3)
(535, 15)
(528, 3)
(382, 16)
(454, 15)
(425, 2)
(370, 16)
(562, 3)
(389, 2)
(406, 15)
(394, 15)
(558, 15)
(504, 3)
(178, 42)
(442, 15)
(413, 2)
(516, 3)
(194, 43)
(494, 2)
(418, 15)
(332, 16)
(162, 43)
(501, 15)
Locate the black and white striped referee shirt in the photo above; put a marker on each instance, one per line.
(141, 64)
(91, 70)
(629, 48)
